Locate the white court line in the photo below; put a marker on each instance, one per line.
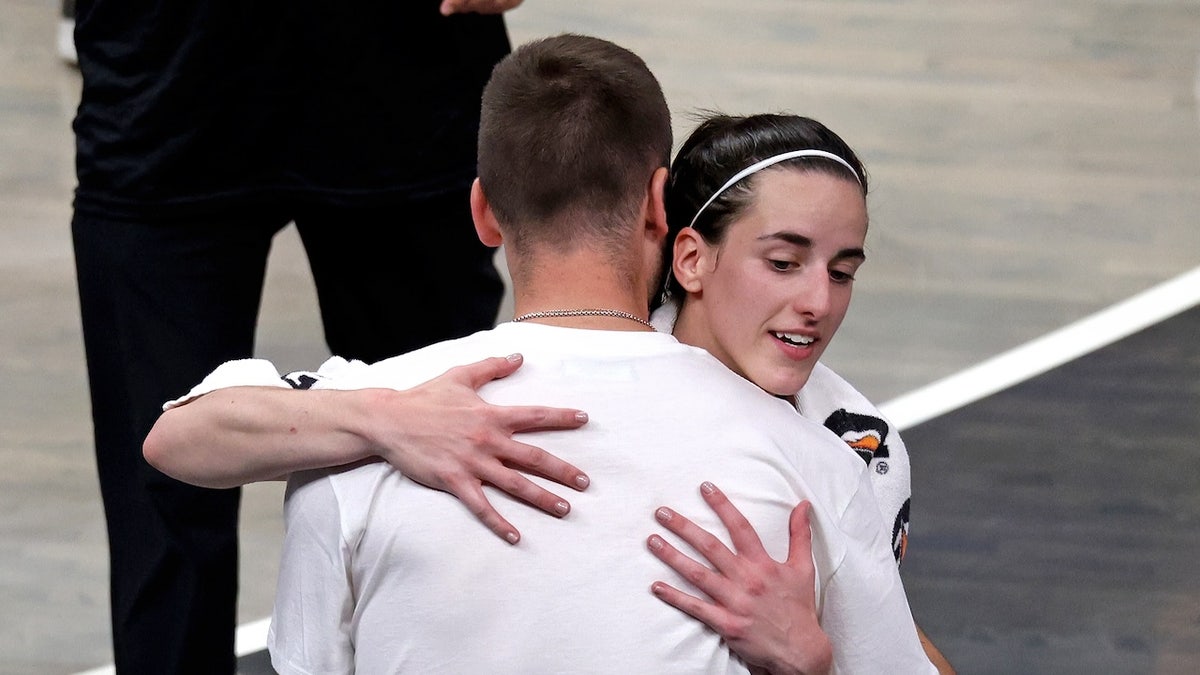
(1029, 360)
(1049, 351)
(252, 637)
(1052, 350)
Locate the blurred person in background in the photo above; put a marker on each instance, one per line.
(203, 129)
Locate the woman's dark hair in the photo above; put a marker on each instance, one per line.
(722, 146)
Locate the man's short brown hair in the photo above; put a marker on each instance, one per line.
(572, 128)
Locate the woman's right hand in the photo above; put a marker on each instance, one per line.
(765, 610)
(443, 435)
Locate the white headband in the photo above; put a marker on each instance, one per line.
(770, 161)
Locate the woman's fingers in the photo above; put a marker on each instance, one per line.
(764, 610)
(469, 490)
(705, 612)
(477, 374)
(713, 549)
(539, 418)
(518, 485)
(741, 533)
(461, 442)
(800, 528)
(714, 581)
(535, 460)
(472, 496)
(706, 580)
(514, 418)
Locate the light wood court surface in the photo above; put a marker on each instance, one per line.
(1031, 163)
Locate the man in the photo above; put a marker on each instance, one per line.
(203, 129)
(383, 575)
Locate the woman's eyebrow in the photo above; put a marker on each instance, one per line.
(802, 241)
(789, 237)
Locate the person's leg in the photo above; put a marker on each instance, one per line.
(162, 305)
(394, 279)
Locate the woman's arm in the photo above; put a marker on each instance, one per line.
(765, 610)
(440, 434)
(935, 655)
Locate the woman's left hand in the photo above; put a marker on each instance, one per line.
(765, 610)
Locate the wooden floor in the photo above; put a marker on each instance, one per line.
(1031, 163)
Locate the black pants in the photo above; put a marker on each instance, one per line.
(162, 305)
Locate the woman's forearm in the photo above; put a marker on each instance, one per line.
(935, 655)
(440, 434)
(240, 435)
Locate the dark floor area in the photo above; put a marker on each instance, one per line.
(1056, 525)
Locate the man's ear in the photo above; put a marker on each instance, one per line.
(655, 207)
(486, 227)
(691, 259)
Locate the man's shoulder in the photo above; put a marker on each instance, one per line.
(717, 395)
(537, 343)
(421, 365)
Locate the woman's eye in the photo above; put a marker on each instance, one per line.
(841, 277)
(782, 265)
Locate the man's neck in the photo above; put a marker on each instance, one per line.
(574, 282)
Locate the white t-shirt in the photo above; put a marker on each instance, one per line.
(380, 575)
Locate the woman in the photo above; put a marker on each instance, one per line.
(768, 221)
(763, 269)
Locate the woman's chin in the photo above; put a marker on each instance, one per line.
(785, 387)
(786, 383)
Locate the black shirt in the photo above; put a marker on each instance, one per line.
(191, 105)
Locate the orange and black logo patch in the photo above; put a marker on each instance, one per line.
(865, 434)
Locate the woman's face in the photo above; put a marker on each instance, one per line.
(771, 296)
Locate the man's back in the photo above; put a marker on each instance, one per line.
(383, 575)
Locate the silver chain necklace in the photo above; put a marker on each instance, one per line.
(555, 313)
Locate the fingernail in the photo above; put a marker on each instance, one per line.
(656, 588)
(654, 542)
(708, 488)
(513, 358)
(581, 417)
(512, 537)
(582, 481)
(562, 508)
(663, 514)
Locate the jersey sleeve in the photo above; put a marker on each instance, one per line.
(830, 400)
(866, 613)
(263, 373)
